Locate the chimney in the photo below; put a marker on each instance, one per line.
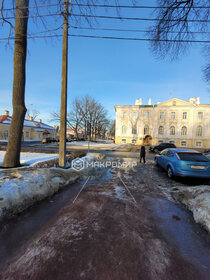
(40, 120)
(31, 118)
(149, 101)
(6, 113)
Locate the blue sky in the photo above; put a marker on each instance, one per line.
(114, 72)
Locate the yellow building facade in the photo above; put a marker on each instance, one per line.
(32, 130)
(183, 123)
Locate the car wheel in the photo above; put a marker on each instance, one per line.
(169, 172)
(156, 162)
(156, 151)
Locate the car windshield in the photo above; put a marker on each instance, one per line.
(193, 157)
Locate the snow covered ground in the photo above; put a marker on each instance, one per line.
(31, 158)
(197, 200)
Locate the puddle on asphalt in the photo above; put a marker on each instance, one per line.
(179, 229)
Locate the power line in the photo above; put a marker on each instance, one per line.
(110, 37)
(106, 6)
(134, 30)
(110, 17)
(141, 19)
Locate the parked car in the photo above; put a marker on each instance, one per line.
(161, 147)
(48, 140)
(184, 163)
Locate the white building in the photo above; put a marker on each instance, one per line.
(184, 123)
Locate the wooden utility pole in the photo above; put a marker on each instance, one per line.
(62, 144)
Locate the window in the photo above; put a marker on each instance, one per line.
(146, 115)
(172, 142)
(133, 141)
(192, 157)
(172, 130)
(161, 130)
(198, 144)
(124, 116)
(169, 154)
(124, 129)
(161, 116)
(134, 115)
(200, 116)
(134, 130)
(123, 141)
(27, 134)
(173, 116)
(184, 143)
(184, 115)
(174, 103)
(146, 129)
(184, 130)
(6, 134)
(199, 131)
(160, 141)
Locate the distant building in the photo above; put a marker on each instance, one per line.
(184, 123)
(32, 130)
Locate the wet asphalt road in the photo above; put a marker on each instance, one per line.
(186, 236)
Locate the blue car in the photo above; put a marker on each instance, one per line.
(184, 163)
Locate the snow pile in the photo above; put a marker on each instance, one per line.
(31, 158)
(20, 188)
(197, 199)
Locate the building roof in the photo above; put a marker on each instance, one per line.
(6, 120)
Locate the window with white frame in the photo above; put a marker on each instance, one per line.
(172, 142)
(172, 130)
(123, 141)
(124, 129)
(134, 115)
(161, 130)
(200, 116)
(162, 116)
(133, 141)
(27, 134)
(124, 116)
(146, 129)
(184, 130)
(160, 141)
(134, 129)
(199, 144)
(183, 143)
(184, 115)
(173, 116)
(199, 131)
(146, 115)
(6, 134)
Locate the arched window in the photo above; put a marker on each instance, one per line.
(172, 130)
(184, 130)
(199, 131)
(124, 129)
(146, 129)
(161, 130)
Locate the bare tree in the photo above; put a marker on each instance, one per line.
(32, 113)
(85, 109)
(179, 21)
(12, 157)
(21, 10)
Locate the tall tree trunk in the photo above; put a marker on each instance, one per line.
(12, 157)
